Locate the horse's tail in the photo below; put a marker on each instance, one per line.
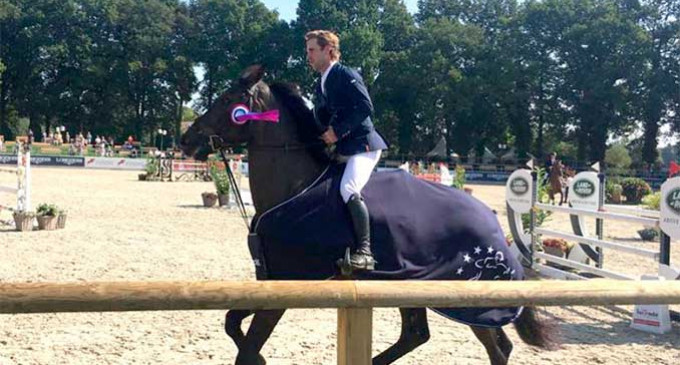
(535, 331)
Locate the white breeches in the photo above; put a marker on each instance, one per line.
(358, 171)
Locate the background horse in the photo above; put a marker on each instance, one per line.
(286, 158)
(557, 182)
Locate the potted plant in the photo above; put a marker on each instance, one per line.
(634, 189)
(613, 192)
(209, 199)
(459, 180)
(221, 180)
(556, 247)
(47, 216)
(61, 219)
(23, 220)
(152, 167)
(648, 234)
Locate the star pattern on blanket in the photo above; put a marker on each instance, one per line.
(485, 260)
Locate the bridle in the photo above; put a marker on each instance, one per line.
(217, 144)
(250, 96)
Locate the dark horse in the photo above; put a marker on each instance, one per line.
(284, 159)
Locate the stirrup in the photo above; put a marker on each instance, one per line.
(347, 268)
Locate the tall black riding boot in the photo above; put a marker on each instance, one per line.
(362, 258)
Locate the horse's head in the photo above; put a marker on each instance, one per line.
(218, 124)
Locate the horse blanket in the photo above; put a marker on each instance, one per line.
(419, 231)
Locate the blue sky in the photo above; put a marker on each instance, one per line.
(287, 8)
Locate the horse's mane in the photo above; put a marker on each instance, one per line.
(289, 96)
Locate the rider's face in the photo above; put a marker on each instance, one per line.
(317, 57)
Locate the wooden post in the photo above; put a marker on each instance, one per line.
(355, 329)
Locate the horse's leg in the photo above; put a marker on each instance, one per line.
(232, 325)
(414, 332)
(489, 337)
(259, 331)
(504, 342)
(561, 197)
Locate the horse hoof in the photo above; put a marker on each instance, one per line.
(259, 360)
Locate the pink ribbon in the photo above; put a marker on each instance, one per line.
(268, 116)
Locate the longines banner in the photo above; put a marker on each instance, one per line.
(67, 161)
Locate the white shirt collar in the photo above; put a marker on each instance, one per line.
(325, 75)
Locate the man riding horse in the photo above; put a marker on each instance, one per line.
(343, 107)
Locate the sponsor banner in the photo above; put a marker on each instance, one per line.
(486, 176)
(68, 161)
(188, 166)
(651, 318)
(584, 191)
(518, 191)
(670, 208)
(6, 159)
(115, 163)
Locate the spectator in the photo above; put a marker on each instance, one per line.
(102, 148)
(89, 138)
(31, 137)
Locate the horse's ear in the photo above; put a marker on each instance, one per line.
(251, 76)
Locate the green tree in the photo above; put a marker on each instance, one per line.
(394, 91)
(229, 35)
(355, 22)
(617, 156)
(657, 86)
(600, 52)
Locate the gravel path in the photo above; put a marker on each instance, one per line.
(120, 229)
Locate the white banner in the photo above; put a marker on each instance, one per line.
(584, 191)
(518, 191)
(115, 163)
(670, 207)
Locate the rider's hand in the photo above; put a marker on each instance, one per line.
(329, 136)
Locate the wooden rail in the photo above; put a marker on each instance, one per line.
(353, 298)
(142, 296)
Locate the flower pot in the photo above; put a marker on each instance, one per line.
(616, 198)
(553, 251)
(23, 221)
(141, 177)
(209, 199)
(648, 234)
(468, 190)
(47, 222)
(223, 199)
(61, 221)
